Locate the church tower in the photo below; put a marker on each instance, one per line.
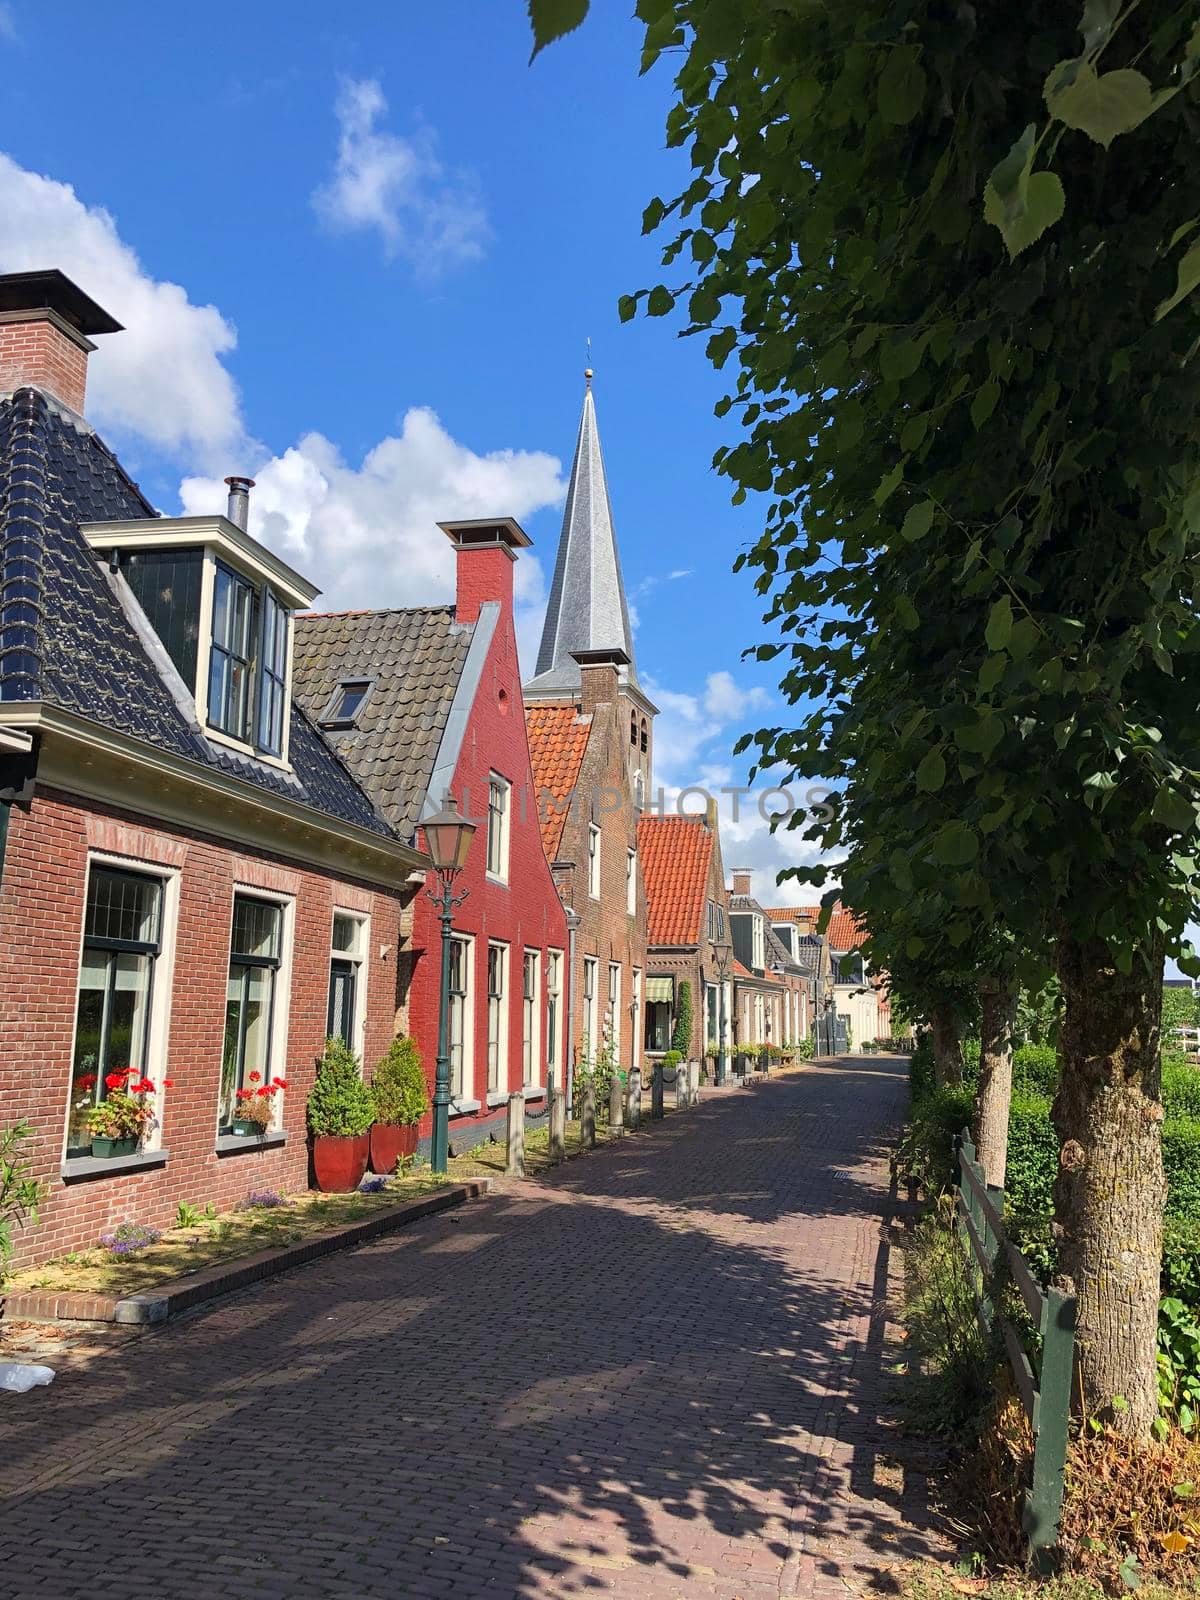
(587, 618)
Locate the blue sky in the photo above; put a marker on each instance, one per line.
(360, 258)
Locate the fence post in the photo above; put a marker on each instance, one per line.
(634, 1117)
(681, 1086)
(587, 1116)
(1043, 1504)
(558, 1125)
(616, 1108)
(515, 1163)
(694, 1082)
(656, 1090)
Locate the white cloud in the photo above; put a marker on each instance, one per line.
(367, 533)
(725, 702)
(162, 379)
(398, 186)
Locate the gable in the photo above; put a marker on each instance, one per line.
(558, 739)
(676, 855)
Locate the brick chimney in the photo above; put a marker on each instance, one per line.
(45, 321)
(741, 880)
(487, 548)
(600, 676)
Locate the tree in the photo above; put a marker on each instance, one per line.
(967, 388)
(681, 1037)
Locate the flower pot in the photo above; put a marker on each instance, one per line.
(105, 1149)
(248, 1127)
(339, 1161)
(390, 1141)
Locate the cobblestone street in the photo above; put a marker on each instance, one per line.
(659, 1373)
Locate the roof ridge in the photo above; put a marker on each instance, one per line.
(377, 611)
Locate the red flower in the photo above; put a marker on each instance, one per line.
(256, 1077)
(114, 1080)
(245, 1094)
(86, 1080)
(168, 1083)
(264, 1091)
(279, 1083)
(144, 1087)
(131, 1072)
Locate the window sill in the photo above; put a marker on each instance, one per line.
(236, 1144)
(498, 1097)
(76, 1168)
(494, 877)
(463, 1108)
(535, 1091)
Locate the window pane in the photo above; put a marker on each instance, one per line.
(243, 619)
(122, 905)
(128, 1013)
(222, 608)
(218, 688)
(345, 933)
(342, 986)
(352, 697)
(247, 1031)
(87, 1070)
(255, 928)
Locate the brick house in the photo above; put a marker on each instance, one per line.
(774, 987)
(426, 703)
(187, 866)
(591, 741)
(688, 931)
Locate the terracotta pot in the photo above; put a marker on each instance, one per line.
(339, 1161)
(390, 1141)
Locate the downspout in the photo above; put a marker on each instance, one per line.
(569, 1054)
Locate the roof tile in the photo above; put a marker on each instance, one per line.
(558, 737)
(675, 855)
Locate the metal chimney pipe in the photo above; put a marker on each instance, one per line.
(238, 510)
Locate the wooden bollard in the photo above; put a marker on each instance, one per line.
(558, 1125)
(616, 1108)
(634, 1094)
(515, 1165)
(656, 1090)
(587, 1116)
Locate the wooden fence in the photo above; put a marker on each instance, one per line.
(1044, 1383)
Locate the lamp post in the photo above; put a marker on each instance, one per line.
(447, 839)
(723, 952)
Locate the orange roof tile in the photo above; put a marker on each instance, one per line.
(845, 931)
(675, 855)
(739, 971)
(558, 737)
(801, 914)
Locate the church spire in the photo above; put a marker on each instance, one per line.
(587, 609)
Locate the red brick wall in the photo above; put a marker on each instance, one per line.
(41, 922)
(525, 913)
(39, 353)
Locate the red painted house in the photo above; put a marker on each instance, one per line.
(423, 704)
(190, 877)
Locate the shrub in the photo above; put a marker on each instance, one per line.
(671, 1059)
(970, 1055)
(1035, 1070)
(1181, 1261)
(805, 1050)
(20, 1191)
(945, 1345)
(1180, 1088)
(920, 1068)
(339, 1102)
(681, 1038)
(1181, 1159)
(1032, 1158)
(398, 1086)
(926, 1154)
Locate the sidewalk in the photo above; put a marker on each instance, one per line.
(657, 1372)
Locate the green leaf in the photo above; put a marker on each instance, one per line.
(914, 947)
(888, 483)
(992, 671)
(917, 521)
(1025, 636)
(901, 872)
(627, 307)
(983, 737)
(1020, 202)
(984, 402)
(659, 301)
(954, 845)
(653, 215)
(1188, 278)
(931, 774)
(553, 18)
(906, 613)
(1099, 19)
(1100, 105)
(999, 625)
(901, 86)
(1173, 810)
(900, 358)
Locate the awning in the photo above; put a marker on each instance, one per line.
(660, 990)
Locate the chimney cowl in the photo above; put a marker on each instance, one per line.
(238, 509)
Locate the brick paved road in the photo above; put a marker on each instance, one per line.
(656, 1375)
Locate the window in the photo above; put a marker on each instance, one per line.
(531, 1042)
(633, 731)
(346, 702)
(254, 961)
(272, 687)
(716, 923)
(553, 1006)
(231, 658)
(462, 1037)
(631, 882)
(635, 1032)
(645, 739)
(497, 828)
(612, 1023)
(758, 939)
(658, 1025)
(122, 934)
(497, 1036)
(346, 998)
(712, 1025)
(590, 1028)
(594, 861)
(639, 790)
(167, 584)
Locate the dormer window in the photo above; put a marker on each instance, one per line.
(346, 702)
(231, 654)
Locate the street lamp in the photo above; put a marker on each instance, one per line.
(447, 839)
(724, 953)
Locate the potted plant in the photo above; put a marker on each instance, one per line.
(398, 1091)
(117, 1123)
(255, 1107)
(341, 1110)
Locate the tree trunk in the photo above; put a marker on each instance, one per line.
(947, 1047)
(998, 999)
(1108, 1199)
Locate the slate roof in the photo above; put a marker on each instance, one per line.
(587, 608)
(415, 657)
(55, 473)
(675, 854)
(558, 737)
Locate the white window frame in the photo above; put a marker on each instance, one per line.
(612, 1021)
(162, 988)
(594, 847)
(282, 1001)
(591, 972)
(204, 643)
(759, 942)
(636, 1015)
(500, 1043)
(358, 957)
(554, 1026)
(465, 1101)
(631, 882)
(531, 1018)
(499, 828)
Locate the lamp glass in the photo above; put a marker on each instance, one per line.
(448, 839)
